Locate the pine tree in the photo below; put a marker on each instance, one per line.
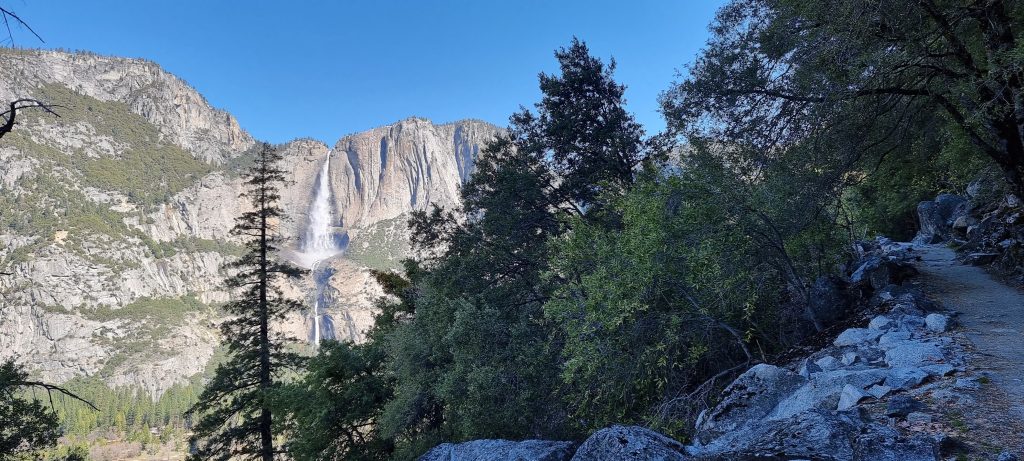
(235, 408)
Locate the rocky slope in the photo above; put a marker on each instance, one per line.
(115, 217)
(902, 384)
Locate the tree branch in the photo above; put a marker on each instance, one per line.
(25, 103)
(5, 12)
(51, 388)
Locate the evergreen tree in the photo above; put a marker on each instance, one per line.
(478, 358)
(235, 408)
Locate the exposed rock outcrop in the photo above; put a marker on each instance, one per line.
(937, 218)
(101, 267)
(501, 450)
(175, 108)
(629, 443)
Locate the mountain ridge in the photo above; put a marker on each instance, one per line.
(117, 215)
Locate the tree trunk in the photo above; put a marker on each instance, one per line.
(266, 435)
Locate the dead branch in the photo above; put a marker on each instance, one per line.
(25, 103)
(50, 388)
(8, 13)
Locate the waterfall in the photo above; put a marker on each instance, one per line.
(318, 244)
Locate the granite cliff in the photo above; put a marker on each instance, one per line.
(115, 217)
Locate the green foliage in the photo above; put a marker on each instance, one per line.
(164, 311)
(147, 171)
(885, 201)
(380, 246)
(904, 100)
(332, 410)
(127, 410)
(25, 424)
(467, 349)
(351, 386)
(669, 292)
(479, 359)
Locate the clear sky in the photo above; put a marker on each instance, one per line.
(324, 69)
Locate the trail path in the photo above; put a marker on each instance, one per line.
(991, 314)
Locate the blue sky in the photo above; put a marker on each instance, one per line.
(324, 69)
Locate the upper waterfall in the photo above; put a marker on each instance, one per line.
(319, 241)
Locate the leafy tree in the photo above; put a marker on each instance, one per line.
(686, 292)
(351, 385)
(236, 406)
(25, 424)
(859, 80)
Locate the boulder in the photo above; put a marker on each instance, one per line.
(502, 450)
(828, 363)
(975, 188)
(807, 368)
(624, 443)
(905, 378)
(819, 435)
(901, 406)
(829, 299)
(913, 354)
(911, 322)
(963, 223)
(824, 390)
(879, 390)
(893, 337)
(936, 218)
(877, 272)
(854, 336)
(939, 369)
(880, 322)
(850, 397)
(751, 397)
(937, 323)
(980, 259)
(815, 434)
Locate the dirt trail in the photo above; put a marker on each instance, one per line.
(991, 314)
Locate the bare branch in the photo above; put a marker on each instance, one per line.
(51, 388)
(25, 103)
(5, 12)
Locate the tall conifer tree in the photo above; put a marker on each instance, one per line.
(235, 408)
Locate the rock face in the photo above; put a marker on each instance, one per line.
(937, 218)
(175, 108)
(830, 412)
(388, 171)
(501, 450)
(629, 443)
(117, 215)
